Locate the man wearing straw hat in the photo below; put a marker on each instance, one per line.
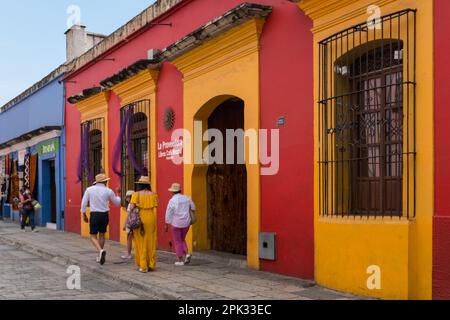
(98, 197)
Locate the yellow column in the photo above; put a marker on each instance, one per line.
(138, 88)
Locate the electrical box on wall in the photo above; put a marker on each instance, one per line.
(152, 53)
(268, 246)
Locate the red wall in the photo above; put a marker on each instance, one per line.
(73, 188)
(441, 225)
(169, 94)
(113, 132)
(286, 90)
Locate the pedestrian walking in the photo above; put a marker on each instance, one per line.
(180, 215)
(145, 240)
(27, 210)
(98, 198)
(127, 228)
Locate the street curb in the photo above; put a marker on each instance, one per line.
(67, 261)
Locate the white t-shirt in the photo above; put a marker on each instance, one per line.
(178, 214)
(98, 198)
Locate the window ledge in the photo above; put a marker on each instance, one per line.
(365, 220)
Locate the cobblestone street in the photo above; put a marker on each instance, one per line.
(34, 265)
(26, 276)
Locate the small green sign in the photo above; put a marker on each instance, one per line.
(48, 147)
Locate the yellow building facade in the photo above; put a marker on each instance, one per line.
(222, 68)
(94, 111)
(141, 87)
(387, 254)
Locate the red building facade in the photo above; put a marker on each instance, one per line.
(286, 96)
(441, 223)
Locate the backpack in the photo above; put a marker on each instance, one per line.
(134, 218)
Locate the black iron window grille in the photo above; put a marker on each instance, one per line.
(135, 147)
(93, 150)
(366, 119)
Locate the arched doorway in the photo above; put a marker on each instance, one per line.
(226, 185)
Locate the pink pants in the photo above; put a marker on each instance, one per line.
(179, 237)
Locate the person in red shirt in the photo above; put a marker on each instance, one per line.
(26, 200)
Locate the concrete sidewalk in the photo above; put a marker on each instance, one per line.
(203, 279)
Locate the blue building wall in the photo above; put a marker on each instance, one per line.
(44, 215)
(43, 108)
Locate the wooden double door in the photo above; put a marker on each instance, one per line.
(227, 187)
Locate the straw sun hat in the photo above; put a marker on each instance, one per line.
(101, 178)
(144, 180)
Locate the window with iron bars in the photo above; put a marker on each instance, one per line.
(95, 150)
(139, 139)
(366, 119)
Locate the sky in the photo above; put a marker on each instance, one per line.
(32, 40)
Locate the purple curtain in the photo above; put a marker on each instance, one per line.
(117, 154)
(130, 151)
(80, 158)
(83, 160)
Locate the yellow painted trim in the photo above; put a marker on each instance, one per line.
(227, 48)
(94, 107)
(139, 87)
(403, 249)
(143, 86)
(330, 13)
(123, 218)
(227, 66)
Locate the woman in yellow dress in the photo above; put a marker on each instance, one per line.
(145, 240)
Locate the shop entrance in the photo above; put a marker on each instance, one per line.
(226, 186)
(49, 215)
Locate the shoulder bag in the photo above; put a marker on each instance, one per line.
(134, 218)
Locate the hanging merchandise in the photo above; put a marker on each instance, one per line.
(2, 166)
(33, 172)
(14, 192)
(8, 167)
(26, 174)
(21, 157)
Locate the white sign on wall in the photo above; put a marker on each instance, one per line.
(167, 150)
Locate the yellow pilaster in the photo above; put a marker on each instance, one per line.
(224, 67)
(141, 87)
(96, 107)
(346, 247)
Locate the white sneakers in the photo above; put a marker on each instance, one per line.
(102, 257)
(186, 261)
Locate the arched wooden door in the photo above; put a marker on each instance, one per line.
(227, 187)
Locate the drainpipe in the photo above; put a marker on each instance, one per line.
(62, 162)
